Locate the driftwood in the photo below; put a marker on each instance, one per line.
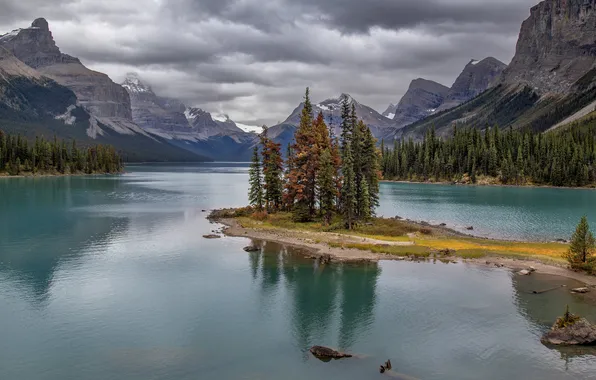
(385, 367)
(547, 290)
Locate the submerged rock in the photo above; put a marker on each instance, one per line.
(212, 236)
(251, 248)
(322, 352)
(470, 228)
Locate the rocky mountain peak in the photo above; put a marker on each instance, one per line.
(135, 85)
(35, 45)
(556, 46)
(422, 99)
(41, 23)
(476, 77)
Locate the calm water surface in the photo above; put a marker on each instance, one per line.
(109, 278)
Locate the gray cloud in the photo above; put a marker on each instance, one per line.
(252, 59)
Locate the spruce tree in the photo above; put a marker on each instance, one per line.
(582, 245)
(348, 196)
(364, 210)
(326, 186)
(255, 195)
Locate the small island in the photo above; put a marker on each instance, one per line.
(56, 157)
(325, 195)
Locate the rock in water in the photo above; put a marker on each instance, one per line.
(251, 248)
(327, 353)
(212, 236)
(580, 290)
(581, 332)
(524, 272)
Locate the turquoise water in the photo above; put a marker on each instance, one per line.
(512, 213)
(110, 278)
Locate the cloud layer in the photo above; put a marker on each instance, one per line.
(252, 59)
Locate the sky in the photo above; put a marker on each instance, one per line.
(253, 59)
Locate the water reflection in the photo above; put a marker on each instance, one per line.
(320, 294)
(30, 256)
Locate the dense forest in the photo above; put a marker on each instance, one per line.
(324, 177)
(18, 156)
(557, 158)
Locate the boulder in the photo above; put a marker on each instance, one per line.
(524, 272)
(251, 248)
(322, 352)
(470, 228)
(580, 290)
(577, 331)
(212, 236)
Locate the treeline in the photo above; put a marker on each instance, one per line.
(18, 156)
(324, 175)
(565, 158)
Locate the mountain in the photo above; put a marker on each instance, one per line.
(331, 108)
(192, 129)
(551, 79)
(421, 100)
(390, 111)
(476, 78)
(47, 92)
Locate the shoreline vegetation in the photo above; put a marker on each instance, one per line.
(19, 158)
(398, 240)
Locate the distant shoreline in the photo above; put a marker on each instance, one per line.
(47, 175)
(533, 186)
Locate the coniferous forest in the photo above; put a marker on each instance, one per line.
(324, 176)
(558, 158)
(18, 156)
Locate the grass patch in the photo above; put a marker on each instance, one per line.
(397, 250)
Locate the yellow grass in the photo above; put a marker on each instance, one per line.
(397, 231)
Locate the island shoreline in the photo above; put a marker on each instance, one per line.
(321, 250)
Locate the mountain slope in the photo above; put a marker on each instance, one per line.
(33, 104)
(551, 77)
(422, 99)
(476, 78)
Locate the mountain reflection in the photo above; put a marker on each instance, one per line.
(330, 304)
(38, 229)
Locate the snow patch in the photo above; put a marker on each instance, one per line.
(220, 117)
(67, 117)
(390, 116)
(10, 35)
(431, 110)
(250, 128)
(474, 62)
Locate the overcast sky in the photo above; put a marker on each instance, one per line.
(252, 59)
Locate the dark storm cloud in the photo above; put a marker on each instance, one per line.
(253, 58)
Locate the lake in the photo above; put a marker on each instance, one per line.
(109, 277)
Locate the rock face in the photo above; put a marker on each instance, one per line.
(421, 100)
(556, 46)
(162, 116)
(36, 47)
(476, 78)
(327, 353)
(581, 332)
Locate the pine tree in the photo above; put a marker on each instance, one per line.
(272, 173)
(255, 195)
(349, 201)
(582, 245)
(326, 186)
(364, 210)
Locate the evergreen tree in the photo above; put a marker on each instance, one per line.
(349, 201)
(327, 187)
(272, 173)
(582, 245)
(364, 210)
(255, 195)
